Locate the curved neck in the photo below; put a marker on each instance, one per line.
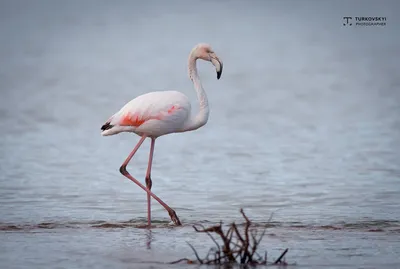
(201, 118)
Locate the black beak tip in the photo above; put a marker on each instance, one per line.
(219, 74)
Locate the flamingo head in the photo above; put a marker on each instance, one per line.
(205, 52)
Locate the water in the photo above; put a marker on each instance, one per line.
(304, 125)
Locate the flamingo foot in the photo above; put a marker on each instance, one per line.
(174, 217)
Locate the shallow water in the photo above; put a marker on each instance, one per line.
(304, 125)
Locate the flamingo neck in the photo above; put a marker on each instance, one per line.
(201, 117)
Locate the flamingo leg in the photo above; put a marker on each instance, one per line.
(149, 183)
(123, 171)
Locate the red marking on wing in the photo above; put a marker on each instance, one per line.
(172, 109)
(132, 120)
(136, 119)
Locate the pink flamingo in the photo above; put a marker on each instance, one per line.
(163, 112)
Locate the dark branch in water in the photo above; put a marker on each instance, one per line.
(238, 247)
(279, 260)
(195, 253)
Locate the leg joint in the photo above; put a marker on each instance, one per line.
(122, 170)
(149, 183)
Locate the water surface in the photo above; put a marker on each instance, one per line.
(304, 125)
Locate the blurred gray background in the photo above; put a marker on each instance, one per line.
(304, 122)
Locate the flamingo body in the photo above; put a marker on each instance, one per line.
(152, 114)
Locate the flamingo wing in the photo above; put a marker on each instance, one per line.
(154, 113)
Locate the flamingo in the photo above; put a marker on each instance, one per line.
(159, 113)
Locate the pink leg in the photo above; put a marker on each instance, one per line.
(149, 182)
(123, 171)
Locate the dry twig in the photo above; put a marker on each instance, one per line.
(237, 247)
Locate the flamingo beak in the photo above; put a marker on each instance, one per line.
(218, 65)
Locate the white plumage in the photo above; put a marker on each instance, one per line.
(153, 114)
